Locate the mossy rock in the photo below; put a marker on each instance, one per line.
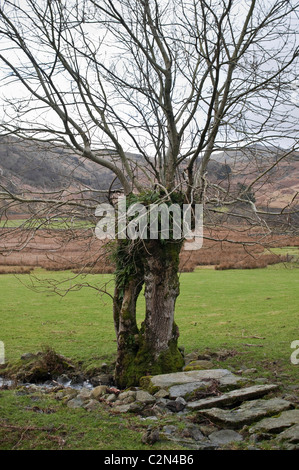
(146, 384)
(45, 365)
(92, 370)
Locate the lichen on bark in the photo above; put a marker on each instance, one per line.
(151, 348)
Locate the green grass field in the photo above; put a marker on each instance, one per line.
(216, 309)
(250, 315)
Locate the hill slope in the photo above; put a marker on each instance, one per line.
(24, 166)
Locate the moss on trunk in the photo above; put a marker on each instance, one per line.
(145, 362)
(152, 349)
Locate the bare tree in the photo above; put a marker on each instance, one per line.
(173, 82)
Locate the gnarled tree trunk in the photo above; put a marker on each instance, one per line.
(152, 349)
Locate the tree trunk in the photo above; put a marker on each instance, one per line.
(161, 291)
(152, 349)
(128, 285)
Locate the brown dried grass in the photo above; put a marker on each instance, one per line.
(54, 251)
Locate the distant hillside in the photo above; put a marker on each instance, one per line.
(257, 154)
(26, 166)
(278, 186)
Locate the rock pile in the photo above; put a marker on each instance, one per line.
(200, 408)
(215, 407)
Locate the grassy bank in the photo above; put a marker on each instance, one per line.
(242, 318)
(254, 312)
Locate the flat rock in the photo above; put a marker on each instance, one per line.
(224, 376)
(276, 425)
(75, 403)
(183, 390)
(291, 434)
(225, 436)
(235, 396)
(247, 413)
(144, 397)
(123, 408)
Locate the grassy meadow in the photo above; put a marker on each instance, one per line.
(255, 312)
(248, 317)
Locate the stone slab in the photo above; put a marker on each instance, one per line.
(276, 425)
(291, 434)
(247, 413)
(182, 390)
(224, 376)
(224, 437)
(75, 403)
(124, 408)
(144, 397)
(232, 397)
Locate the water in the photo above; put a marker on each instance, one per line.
(5, 382)
(61, 381)
(66, 382)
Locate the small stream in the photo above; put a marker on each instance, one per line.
(61, 381)
(5, 382)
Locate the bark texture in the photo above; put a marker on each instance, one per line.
(152, 349)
